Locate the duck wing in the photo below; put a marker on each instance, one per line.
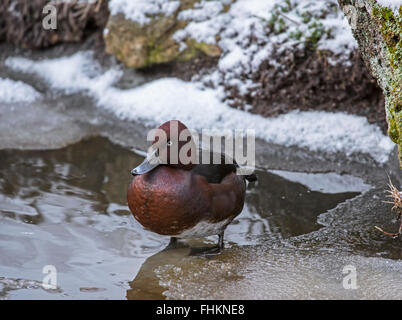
(214, 173)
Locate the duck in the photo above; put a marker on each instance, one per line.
(185, 198)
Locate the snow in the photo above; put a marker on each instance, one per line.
(394, 5)
(343, 41)
(201, 108)
(202, 10)
(139, 10)
(16, 91)
(272, 24)
(247, 19)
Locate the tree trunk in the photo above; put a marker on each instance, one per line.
(378, 31)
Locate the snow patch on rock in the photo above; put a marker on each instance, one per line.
(141, 10)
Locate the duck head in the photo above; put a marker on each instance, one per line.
(172, 145)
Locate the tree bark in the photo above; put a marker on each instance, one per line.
(378, 31)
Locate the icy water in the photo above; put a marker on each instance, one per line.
(67, 208)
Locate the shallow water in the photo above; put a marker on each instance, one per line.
(67, 208)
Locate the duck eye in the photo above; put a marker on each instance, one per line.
(169, 143)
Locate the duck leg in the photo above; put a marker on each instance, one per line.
(209, 251)
(173, 241)
(174, 244)
(220, 241)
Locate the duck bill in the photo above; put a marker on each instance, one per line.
(150, 163)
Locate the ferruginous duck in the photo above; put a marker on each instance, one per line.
(183, 198)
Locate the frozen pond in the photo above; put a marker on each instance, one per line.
(307, 223)
(67, 208)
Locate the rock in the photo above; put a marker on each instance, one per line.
(378, 31)
(141, 45)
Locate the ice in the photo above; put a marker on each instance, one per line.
(280, 273)
(16, 91)
(325, 182)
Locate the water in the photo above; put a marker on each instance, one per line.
(67, 208)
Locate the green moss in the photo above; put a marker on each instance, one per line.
(286, 6)
(390, 26)
(393, 125)
(157, 54)
(154, 56)
(209, 49)
(194, 49)
(391, 30)
(317, 31)
(306, 16)
(296, 35)
(310, 31)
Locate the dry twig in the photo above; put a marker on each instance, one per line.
(396, 196)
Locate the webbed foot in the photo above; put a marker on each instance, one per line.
(208, 251)
(205, 251)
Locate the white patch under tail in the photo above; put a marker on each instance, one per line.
(204, 229)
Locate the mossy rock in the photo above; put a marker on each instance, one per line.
(390, 26)
(378, 31)
(141, 46)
